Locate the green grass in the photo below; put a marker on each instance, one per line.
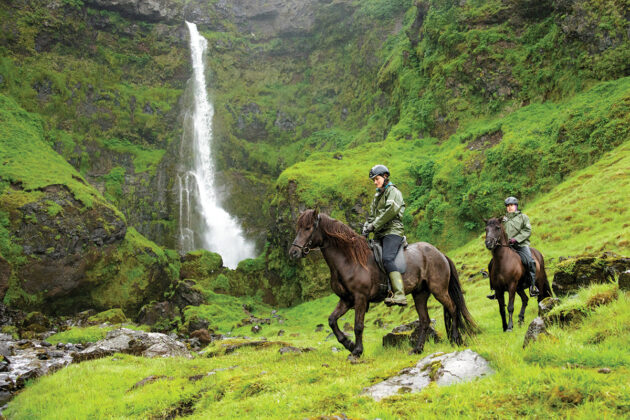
(250, 383)
(556, 376)
(91, 334)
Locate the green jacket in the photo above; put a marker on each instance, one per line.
(386, 212)
(517, 226)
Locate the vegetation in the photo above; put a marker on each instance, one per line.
(542, 380)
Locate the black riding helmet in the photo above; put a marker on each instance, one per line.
(378, 170)
(511, 200)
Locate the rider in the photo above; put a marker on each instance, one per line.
(518, 230)
(385, 220)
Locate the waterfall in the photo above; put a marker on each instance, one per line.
(202, 221)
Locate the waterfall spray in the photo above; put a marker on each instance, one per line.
(202, 222)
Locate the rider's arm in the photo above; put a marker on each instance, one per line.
(525, 230)
(392, 207)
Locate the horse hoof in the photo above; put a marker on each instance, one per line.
(508, 330)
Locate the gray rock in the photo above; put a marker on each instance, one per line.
(140, 343)
(536, 328)
(439, 368)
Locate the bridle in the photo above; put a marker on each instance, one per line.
(306, 248)
(497, 243)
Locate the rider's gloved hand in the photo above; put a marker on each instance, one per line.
(512, 241)
(367, 228)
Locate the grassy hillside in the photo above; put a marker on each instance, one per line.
(556, 377)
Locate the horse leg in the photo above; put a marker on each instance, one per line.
(524, 300)
(420, 299)
(501, 300)
(510, 307)
(360, 307)
(341, 308)
(450, 309)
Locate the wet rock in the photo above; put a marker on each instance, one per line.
(128, 341)
(187, 295)
(546, 305)
(439, 368)
(535, 329)
(203, 335)
(319, 327)
(407, 335)
(157, 312)
(604, 370)
(624, 280)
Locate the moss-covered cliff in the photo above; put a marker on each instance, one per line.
(63, 247)
(467, 102)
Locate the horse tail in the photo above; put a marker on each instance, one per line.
(545, 291)
(464, 318)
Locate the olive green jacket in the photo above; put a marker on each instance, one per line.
(386, 212)
(517, 226)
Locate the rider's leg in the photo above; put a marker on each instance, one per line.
(492, 295)
(391, 244)
(530, 266)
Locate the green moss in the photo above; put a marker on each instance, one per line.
(113, 316)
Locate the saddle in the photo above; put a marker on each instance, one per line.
(400, 262)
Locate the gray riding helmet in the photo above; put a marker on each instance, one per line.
(511, 200)
(378, 170)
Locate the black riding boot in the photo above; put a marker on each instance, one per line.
(533, 290)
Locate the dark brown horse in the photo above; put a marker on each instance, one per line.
(357, 280)
(507, 273)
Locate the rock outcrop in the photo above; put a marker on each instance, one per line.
(145, 10)
(574, 273)
(139, 343)
(438, 368)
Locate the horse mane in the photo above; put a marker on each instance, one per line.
(353, 246)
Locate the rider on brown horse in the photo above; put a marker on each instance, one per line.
(385, 220)
(518, 230)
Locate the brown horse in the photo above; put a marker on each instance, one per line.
(507, 272)
(357, 280)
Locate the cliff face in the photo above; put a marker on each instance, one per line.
(64, 248)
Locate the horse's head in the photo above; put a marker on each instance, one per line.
(494, 233)
(308, 234)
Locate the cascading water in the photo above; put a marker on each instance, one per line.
(202, 222)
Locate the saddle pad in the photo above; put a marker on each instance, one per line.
(400, 262)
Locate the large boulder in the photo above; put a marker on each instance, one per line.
(574, 273)
(438, 368)
(139, 343)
